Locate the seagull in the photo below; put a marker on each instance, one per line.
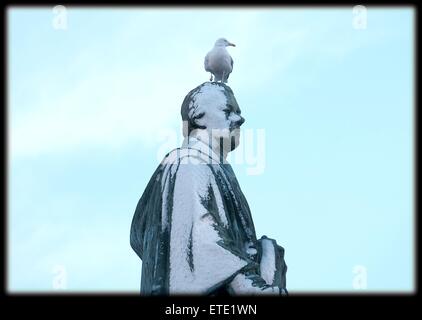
(218, 61)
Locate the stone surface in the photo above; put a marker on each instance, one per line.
(192, 227)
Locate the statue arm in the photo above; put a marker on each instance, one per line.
(202, 262)
(271, 279)
(205, 244)
(243, 284)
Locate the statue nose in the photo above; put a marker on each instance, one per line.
(240, 121)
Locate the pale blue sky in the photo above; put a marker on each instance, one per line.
(91, 109)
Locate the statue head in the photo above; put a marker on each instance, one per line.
(212, 109)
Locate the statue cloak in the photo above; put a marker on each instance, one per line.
(193, 228)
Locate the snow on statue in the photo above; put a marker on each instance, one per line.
(192, 227)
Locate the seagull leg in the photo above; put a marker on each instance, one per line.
(211, 77)
(222, 78)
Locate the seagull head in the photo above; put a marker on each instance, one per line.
(222, 42)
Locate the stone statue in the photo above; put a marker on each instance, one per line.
(192, 227)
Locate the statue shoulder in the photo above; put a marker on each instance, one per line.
(186, 155)
(189, 166)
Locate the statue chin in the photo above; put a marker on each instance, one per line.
(230, 143)
(234, 143)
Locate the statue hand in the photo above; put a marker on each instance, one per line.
(272, 265)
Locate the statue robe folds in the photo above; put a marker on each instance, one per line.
(193, 230)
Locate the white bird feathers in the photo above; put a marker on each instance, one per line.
(218, 61)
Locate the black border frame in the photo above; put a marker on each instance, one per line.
(355, 303)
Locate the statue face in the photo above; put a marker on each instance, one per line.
(222, 119)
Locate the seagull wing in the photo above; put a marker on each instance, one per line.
(206, 62)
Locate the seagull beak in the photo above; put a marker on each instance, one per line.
(232, 44)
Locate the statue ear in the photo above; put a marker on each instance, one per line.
(194, 122)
